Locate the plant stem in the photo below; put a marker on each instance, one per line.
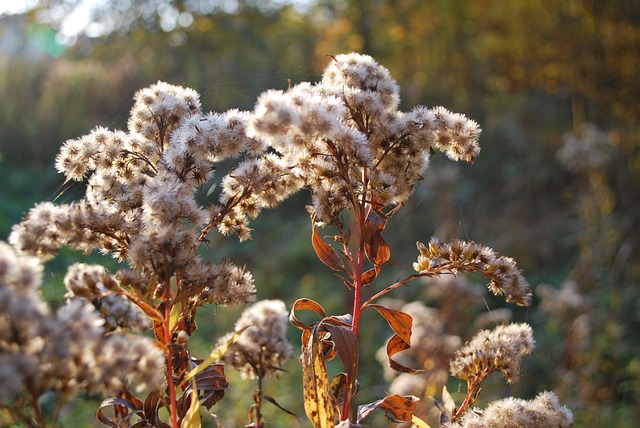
(473, 389)
(258, 400)
(39, 416)
(169, 350)
(357, 293)
(357, 298)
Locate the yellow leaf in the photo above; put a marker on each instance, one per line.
(174, 317)
(215, 355)
(192, 418)
(318, 404)
(419, 423)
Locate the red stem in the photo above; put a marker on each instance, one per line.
(357, 298)
(357, 293)
(470, 398)
(169, 350)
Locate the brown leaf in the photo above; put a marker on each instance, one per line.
(369, 276)
(146, 307)
(399, 322)
(398, 408)
(377, 250)
(326, 253)
(151, 405)
(346, 344)
(211, 383)
(273, 401)
(305, 304)
(376, 247)
(401, 408)
(395, 345)
(158, 330)
(121, 407)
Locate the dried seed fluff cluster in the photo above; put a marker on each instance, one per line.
(64, 350)
(460, 256)
(498, 350)
(344, 137)
(544, 411)
(263, 347)
(96, 284)
(140, 203)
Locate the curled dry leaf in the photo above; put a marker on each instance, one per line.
(326, 253)
(211, 384)
(397, 407)
(401, 324)
(273, 401)
(376, 247)
(127, 408)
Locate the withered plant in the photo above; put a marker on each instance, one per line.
(360, 157)
(344, 140)
(140, 206)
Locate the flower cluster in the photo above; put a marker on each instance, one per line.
(544, 411)
(140, 203)
(565, 303)
(586, 148)
(65, 350)
(490, 351)
(96, 284)
(460, 256)
(345, 139)
(263, 347)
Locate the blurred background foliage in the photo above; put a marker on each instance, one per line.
(542, 78)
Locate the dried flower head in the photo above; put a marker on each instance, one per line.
(586, 148)
(263, 347)
(344, 139)
(544, 411)
(97, 285)
(566, 302)
(460, 256)
(65, 350)
(498, 350)
(140, 203)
